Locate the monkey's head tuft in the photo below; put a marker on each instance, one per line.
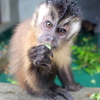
(65, 7)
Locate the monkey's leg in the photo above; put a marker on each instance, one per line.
(53, 92)
(45, 93)
(66, 77)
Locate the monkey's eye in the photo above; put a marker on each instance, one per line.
(61, 31)
(49, 24)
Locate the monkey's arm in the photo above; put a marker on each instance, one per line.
(66, 77)
(39, 57)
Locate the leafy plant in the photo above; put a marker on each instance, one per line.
(95, 96)
(12, 81)
(87, 56)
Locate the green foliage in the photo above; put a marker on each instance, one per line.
(12, 81)
(95, 96)
(87, 56)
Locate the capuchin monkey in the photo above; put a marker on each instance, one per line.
(56, 23)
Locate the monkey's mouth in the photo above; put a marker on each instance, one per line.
(50, 46)
(40, 43)
(47, 45)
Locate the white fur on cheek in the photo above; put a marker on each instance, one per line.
(75, 27)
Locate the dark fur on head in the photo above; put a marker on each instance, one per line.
(65, 7)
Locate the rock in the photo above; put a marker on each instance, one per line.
(14, 92)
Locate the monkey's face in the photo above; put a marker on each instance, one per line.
(52, 33)
(56, 26)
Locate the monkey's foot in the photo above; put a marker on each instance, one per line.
(64, 93)
(61, 91)
(40, 56)
(74, 87)
(50, 95)
(53, 95)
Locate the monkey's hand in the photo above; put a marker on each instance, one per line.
(40, 56)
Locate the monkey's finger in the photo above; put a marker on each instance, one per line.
(67, 96)
(36, 48)
(63, 92)
(50, 52)
(42, 49)
(51, 95)
(47, 50)
(46, 60)
(31, 50)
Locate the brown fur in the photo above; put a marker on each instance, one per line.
(17, 60)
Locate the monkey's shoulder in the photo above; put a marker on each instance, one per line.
(25, 25)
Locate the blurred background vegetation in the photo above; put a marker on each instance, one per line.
(86, 49)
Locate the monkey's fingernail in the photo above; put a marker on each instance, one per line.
(51, 54)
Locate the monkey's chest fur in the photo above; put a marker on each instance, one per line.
(61, 56)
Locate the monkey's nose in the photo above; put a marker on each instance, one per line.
(49, 39)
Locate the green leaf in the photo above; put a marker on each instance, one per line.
(88, 71)
(82, 53)
(93, 81)
(77, 68)
(48, 46)
(85, 39)
(98, 69)
(12, 81)
(95, 96)
(92, 61)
